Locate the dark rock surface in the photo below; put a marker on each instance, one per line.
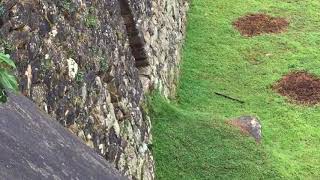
(34, 146)
(250, 125)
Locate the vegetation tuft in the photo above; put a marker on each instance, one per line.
(7, 81)
(91, 20)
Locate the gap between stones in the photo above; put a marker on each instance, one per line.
(136, 42)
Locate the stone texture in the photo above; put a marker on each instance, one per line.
(162, 25)
(89, 63)
(34, 146)
(250, 125)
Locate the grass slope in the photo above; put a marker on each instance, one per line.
(191, 139)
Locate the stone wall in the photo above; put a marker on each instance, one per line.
(162, 25)
(89, 63)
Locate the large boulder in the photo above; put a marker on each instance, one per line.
(34, 146)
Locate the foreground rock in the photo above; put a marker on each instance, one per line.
(34, 146)
(248, 124)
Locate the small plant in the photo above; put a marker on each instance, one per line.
(6, 47)
(91, 20)
(103, 64)
(68, 7)
(7, 81)
(2, 10)
(79, 77)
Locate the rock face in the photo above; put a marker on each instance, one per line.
(89, 63)
(250, 125)
(34, 146)
(162, 27)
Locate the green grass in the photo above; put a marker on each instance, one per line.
(191, 138)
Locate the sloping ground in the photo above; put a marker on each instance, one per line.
(34, 146)
(191, 137)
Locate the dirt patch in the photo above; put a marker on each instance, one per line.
(302, 87)
(256, 24)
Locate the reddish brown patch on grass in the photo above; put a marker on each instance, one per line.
(256, 24)
(240, 126)
(302, 87)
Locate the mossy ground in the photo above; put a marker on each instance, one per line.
(191, 138)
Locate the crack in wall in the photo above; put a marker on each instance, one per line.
(137, 43)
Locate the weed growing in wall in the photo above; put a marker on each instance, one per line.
(2, 10)
(91, 20)
(7, 81)
(67, 5)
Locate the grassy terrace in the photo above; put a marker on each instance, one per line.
(191, 138)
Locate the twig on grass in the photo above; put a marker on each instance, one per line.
(228, 97)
